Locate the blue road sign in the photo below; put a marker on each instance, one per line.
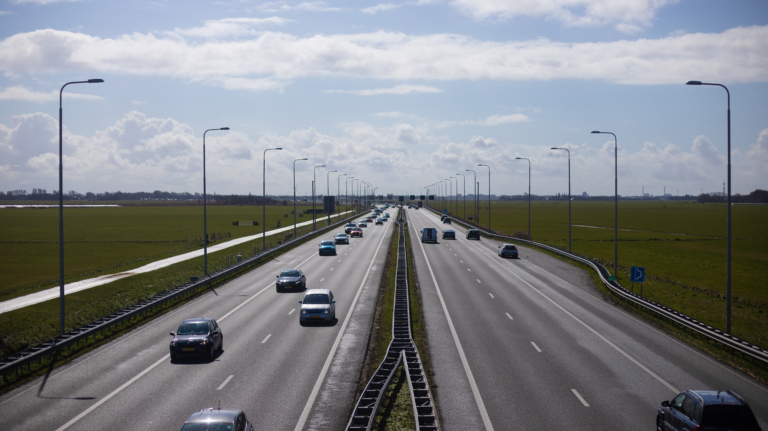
(638, 274)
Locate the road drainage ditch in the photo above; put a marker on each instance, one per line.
(402, 352)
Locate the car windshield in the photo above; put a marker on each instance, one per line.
(193, 328)
(208, 426)
(289, 273)
(316, 298)
(326, 243)
(728, 415)
(509, 247)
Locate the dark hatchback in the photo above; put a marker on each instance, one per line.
(291, 279)
(197, 337)
(217, 420)
(449, 234)
(705, 411)
(473, 234)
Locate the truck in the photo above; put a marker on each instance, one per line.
(429, 234)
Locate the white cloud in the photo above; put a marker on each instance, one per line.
(735, 55)
(229, 27)
(26, 95)
(493, 120)
(381, 7)
(5, 12)
(628, 15)
(398, 89)
(285, 6)
(392, 114)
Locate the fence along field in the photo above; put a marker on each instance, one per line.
(682, 246)
(100, 241)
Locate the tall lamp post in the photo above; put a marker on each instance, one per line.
(728, 271)
(489, 196)
(205, 210)
(346, 191)
(61, 198)
(314, 208)
(264, 200)
(294, 195)
(328, 193)
(455, 201)
(529, 193)
(338, 190)
(569, 195)
(465, 194)
(616, 203)
(474, 181)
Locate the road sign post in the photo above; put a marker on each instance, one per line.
(638, 275)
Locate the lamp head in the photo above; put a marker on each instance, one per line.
(275, 148)
(595, 131)
(95, 81)
(304, 158)
(518, 158)
(554, 148)
(693, 83)
(224, 128)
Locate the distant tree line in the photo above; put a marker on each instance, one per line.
(44, 195)
(756, 197)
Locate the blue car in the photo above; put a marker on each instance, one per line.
(508, 250)
(327, 247)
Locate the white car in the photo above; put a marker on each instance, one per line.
(318, 305)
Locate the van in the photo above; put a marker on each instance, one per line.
(429, 234)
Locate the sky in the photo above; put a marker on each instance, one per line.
(399, 95)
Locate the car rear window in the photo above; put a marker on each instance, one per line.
(197, 328)
(316, 298)
(208, 426)
(289, 273)
(510, 247)
(327, 243)
(728, 415)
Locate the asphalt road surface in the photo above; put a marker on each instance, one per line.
(530, 344)
(283, 375)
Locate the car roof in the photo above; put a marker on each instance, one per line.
(504, 245)
(199, 319)
(449, 230)
(341, 234)
(318, 291)
(211, 415)
(718, 397)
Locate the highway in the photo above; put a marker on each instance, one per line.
(529, 343)
(284, 376)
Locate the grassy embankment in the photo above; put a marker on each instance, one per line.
(32, 325)
(396, 410)
(682, 246)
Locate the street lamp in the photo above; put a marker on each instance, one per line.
(328, 193)
(314, 208)
(616, 204)
(569, 195)
(465, 193)
(474, 181)
(455, 203)
(205, 210)
(61, 199)
(338, 190)
(264, 200)
(294, 196)
(728, 272)
(489, 196)
(346, 192)
(529, 194)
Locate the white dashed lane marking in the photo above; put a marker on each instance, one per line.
(478, 280)
(265, 339)
(292, 310)
(536, 347)
(491, 295)
(225, 383)
(322, 279)
(578, 395)
(469, 270)
(510, 317)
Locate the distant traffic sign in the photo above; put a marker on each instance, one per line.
(638, 274)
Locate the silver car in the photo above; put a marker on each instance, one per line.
(318, 305)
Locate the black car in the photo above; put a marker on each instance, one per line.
(446, 220)
(709, 410)
(449, 234)
(197, 337)
(217, 420)
(292, 279)
(473, 234)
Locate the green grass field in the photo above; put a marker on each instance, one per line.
(682, 246)
(101, 241)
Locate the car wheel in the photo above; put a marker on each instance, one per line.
(221, 344)
(658, 424)
(174, 358)
(211, 352)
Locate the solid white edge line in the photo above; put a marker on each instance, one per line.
(467, 370)
(578, 395)
(265, 339)
(225, 383)
(329, 359)
(536, 347)
(510, 317)
(592, 330)
(112, 394)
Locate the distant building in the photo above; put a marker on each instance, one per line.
(584, 194)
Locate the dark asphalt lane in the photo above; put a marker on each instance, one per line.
(544, 350)
(283, 375)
